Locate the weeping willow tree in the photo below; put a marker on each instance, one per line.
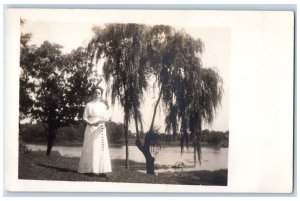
(134, 52)
(192, 94)
(173, 58)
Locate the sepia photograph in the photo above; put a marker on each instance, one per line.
(123, 102)
(108, 98)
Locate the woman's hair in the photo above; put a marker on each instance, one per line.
(97, 87)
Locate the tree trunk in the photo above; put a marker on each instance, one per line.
(145, 149)
(155, 108)
(126, 143)
(49, 147)
(149, 159)
(199, 140)
(150, 165)
(51, 137)
(136, 123)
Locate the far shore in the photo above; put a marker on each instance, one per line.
(79, 144)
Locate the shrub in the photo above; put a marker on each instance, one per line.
(22, 146)
(32, 132)
(213, 139)
(72, 133)
(115, 132)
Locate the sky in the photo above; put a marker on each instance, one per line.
(74, 33)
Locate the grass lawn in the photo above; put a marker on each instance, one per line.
(38, 166)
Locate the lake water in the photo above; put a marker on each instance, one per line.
(212, 158)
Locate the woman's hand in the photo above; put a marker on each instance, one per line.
(95, 124)
(101, 121)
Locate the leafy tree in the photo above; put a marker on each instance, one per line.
(48, 89)
(52, 85)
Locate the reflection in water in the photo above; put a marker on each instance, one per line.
(212, 158)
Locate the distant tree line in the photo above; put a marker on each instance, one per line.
(36, 133)
(208, 138)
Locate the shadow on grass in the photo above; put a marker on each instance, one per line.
(60, 169)
(57, 168)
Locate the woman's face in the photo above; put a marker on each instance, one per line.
(98, 94)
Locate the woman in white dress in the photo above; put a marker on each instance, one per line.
(95, 154)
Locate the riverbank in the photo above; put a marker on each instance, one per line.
(79, 144)
(57, 167)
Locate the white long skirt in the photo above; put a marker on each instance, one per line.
(95, 154)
